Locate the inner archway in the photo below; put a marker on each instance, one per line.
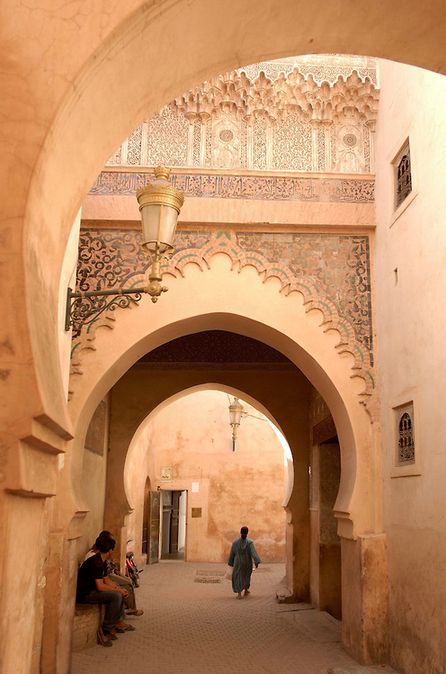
(185, 447)
(249, 370)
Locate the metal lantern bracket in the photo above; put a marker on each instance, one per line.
(159, 204)
(79, 313)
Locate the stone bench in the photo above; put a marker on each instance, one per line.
(87, 618)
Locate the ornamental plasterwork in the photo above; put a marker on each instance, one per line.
(292, 115)
(322, 67)
(326, 188)
(332, 271)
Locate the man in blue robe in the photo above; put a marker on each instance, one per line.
(241, 558)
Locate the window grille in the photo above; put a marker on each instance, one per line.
(403, 175)
(406, 441)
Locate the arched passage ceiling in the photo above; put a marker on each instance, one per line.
(215, 349)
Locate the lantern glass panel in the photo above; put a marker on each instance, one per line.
(235, 413)
(158, 224)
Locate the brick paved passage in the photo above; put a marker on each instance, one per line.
(194, 627)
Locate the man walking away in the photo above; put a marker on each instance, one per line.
(241, 558)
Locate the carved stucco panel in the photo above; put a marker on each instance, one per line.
(280, 109)
(337, 266)
(108, 251)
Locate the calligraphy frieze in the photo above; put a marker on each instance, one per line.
(270, 188)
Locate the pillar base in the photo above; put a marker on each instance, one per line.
(365, 598)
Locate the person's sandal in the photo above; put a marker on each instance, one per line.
(102, 640)
(135, 611)
(124, 627)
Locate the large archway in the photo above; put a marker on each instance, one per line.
(131, 46)
(62, 125)
(30, 354)
(313, 349)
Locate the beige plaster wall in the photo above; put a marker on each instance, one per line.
(192, 436)
(94, 469)
(94, 492)
(412, 360)
(24, 597)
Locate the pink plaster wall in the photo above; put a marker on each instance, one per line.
(412, 360)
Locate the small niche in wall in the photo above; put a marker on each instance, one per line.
(196, 512)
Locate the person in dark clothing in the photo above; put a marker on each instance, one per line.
(116, 580)
(242, 556)
(92, 589)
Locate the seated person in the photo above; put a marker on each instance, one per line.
(112, 573)
(92, 588)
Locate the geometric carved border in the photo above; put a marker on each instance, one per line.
(226, 242)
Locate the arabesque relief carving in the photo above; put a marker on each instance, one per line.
(336, 280)
(265, 120)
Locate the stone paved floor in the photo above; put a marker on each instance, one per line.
(200, 628)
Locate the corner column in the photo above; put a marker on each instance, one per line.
(365, 598)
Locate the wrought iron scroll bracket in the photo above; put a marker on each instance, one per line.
(84, 308)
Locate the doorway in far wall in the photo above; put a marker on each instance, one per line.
(151, 525)
(173, 524)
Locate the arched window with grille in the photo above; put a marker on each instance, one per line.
(406, 440)
(403, 175)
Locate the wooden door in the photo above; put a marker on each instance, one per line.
(174, 522)
(154, 527)
(146, 521)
